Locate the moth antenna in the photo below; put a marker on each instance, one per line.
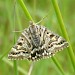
(16, 31)
(42, 19)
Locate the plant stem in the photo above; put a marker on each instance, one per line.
(30, 69)
(25, 9)
(58, 65)
(15, 62)
(15, 68)
(63, 29)
(11, 65)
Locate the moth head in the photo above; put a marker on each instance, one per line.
(30, 22)
(32, 27)
(18, 54)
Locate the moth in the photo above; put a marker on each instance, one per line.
(37, 42)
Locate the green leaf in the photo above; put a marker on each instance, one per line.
(63, 29)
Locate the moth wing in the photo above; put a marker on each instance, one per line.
(50, 43)
(22, 48)
(53, 43)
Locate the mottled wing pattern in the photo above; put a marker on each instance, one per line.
(37, 42)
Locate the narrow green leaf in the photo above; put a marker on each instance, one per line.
(58, 65)
(15, 62)
(63, 29)
(11, 65)
(15, 68)
(1, 57)
(25, 9)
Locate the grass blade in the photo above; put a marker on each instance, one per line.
(63, 29)
(58, 65)
(15, 62)
(1, 57)
(15, 68)
(11, 65)
(25, 9)
(28, 15)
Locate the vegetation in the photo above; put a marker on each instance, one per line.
(15, 16)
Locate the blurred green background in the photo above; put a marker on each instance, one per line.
(38, 9)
